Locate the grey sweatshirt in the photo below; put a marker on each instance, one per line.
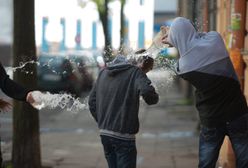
(205, 63)
(114, 99)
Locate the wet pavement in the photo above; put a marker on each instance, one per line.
(167, 137)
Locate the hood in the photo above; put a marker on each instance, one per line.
(118, 65)
(196, 49)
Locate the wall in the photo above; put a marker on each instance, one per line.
(71, 10)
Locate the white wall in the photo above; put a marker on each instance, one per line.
(71, 11)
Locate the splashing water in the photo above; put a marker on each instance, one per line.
(164, 72)
(62, 100)
(52, 101)
(10, 70)
(168, 64)
(161, 77)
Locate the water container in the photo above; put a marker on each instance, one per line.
(37, 95)
(157, 44)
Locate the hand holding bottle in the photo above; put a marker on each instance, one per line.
(164, 38)
(35, 99)
(30, 98)
(162, 35)
(158, 43)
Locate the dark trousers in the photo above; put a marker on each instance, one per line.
(119, 153)
(211, 140)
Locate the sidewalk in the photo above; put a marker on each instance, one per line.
(167, 137)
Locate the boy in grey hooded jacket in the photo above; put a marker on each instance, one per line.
(114, 104)
(205, 63)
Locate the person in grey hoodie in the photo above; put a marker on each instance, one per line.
(114, 104)
(205, 63)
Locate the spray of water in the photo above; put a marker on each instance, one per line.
(162, 77)
(62, 100)
(48, 100)
(164, 71)
(22, 65)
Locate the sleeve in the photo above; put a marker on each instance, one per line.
(10, 87)
(147, 91)
(92, 102)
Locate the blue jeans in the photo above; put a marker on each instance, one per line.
(119, 153)
(211, 140)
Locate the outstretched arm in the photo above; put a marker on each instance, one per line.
(11, 88)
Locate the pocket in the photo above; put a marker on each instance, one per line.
(239, 127)
(208, 134)
(128, 146)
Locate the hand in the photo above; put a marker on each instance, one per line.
(5, 106)
(165, 30)
(30, 98)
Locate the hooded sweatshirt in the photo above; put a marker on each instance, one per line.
(205, 63)
(114, 99)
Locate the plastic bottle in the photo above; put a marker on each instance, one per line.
(157, 44)
(38, 104)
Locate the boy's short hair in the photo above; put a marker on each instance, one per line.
(140, 51)
(144, 57)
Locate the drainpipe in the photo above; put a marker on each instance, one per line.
(238, 10)
(205, 16)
